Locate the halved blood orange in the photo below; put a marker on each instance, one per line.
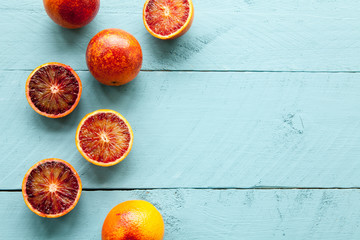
(51, 188)
(104, 137)
(168, 19)
(53, 90)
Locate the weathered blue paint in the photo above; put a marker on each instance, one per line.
(201, 214)
(226, 35)
(200, 130)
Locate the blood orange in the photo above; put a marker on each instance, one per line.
(72, 13)
(135, 219)
(104, 137)
(51, 188)
(166, 19)
(53, 90)
(114, 57)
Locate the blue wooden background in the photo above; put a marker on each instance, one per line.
(247, 127)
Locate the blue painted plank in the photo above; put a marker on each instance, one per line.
(200, 130)
(298, 35)
(200, 215)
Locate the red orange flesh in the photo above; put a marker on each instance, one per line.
(104, 137)
(114, 57)
(51, 188)
(72, 13)
(168, 19)
(53, 90)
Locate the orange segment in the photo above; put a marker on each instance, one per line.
(168, 19)
(104, 137)
(53, 90)
(51, 188)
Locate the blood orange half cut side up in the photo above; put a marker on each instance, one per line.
(51, 188)
(53, 90)
(104, 137)
(168, 19)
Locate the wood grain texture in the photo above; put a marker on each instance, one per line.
(276, 35)
(200, 130)
(195, 130)
(201, 215)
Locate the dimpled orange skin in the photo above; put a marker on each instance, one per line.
(133, 220)
(72, 13)
(114, 57)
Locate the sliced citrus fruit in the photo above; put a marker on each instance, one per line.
(53, 90)
(168, 19)
(51, 188)
(104, 137)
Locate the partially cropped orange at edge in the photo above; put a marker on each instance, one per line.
(114, 57)
(134, 219)
(72, 13)
(168, 19)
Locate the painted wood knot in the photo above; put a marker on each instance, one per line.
(294, 122)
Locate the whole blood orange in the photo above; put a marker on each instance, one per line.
(53, 90)
(51, 188)
(166, 19)
(114, 57)
(136, 220)
(72, 13)
(104, 137)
